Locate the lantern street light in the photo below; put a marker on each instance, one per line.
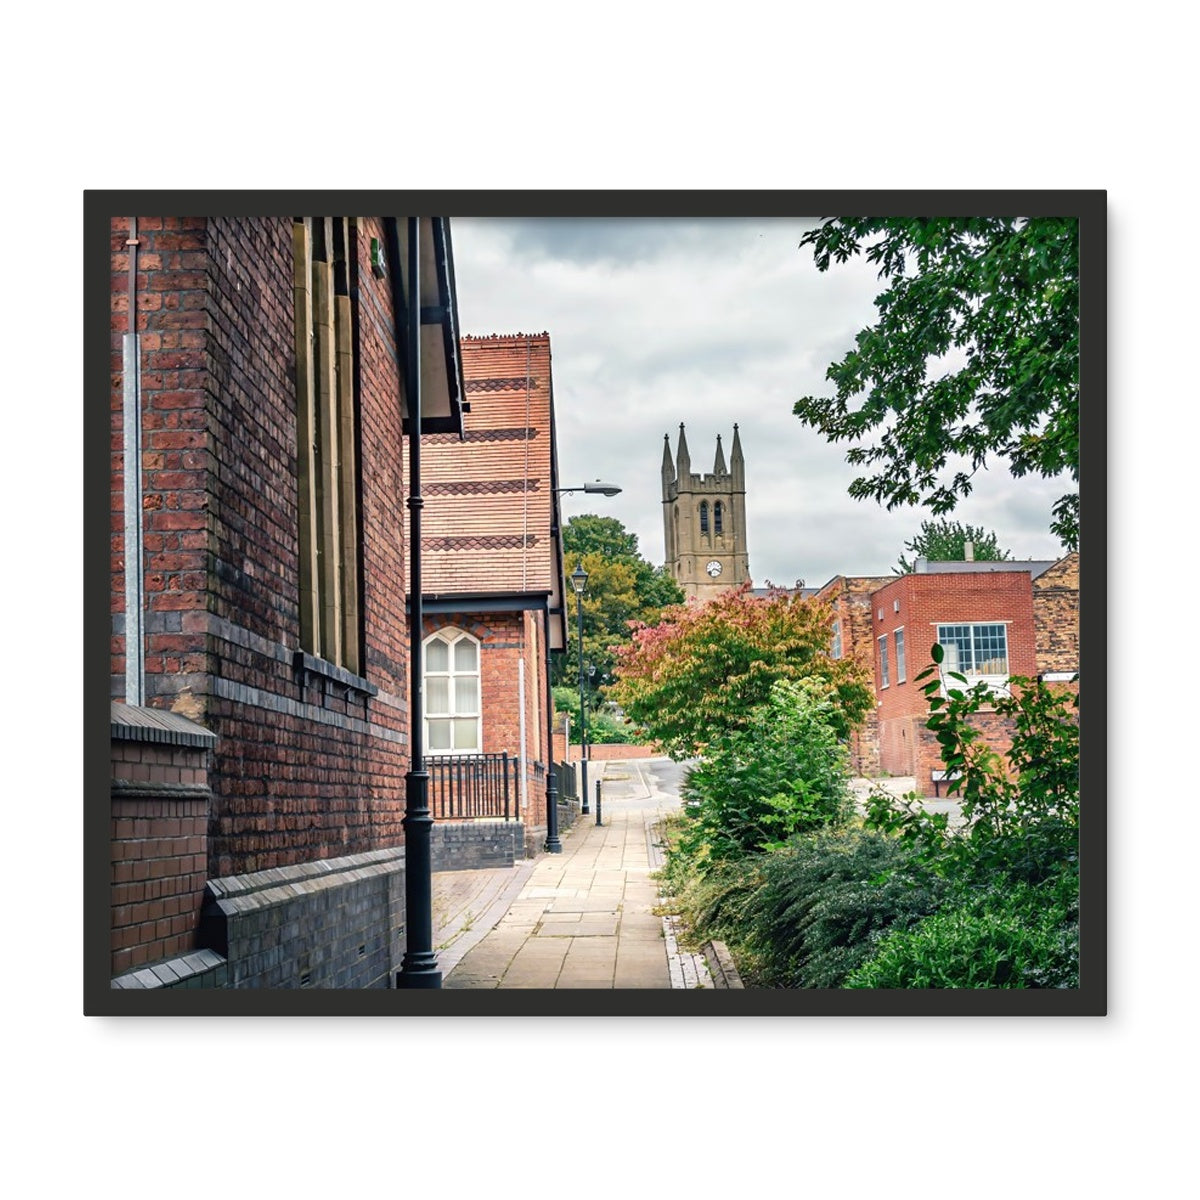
(553, 843)
(579, 578)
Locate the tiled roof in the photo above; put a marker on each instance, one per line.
(485, 524)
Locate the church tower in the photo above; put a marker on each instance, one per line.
(704, 519)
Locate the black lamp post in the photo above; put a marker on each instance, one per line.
(579, 580)
(553, 843)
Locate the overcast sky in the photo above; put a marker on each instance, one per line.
(709, 321)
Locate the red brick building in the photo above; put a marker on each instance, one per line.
(260, 647)
(492, 563)
(993, 620)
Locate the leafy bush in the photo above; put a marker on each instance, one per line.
(1011, 918)
(1021, 822)
(1013, 937)
(603, 725)
(809, 914)
(705, 669)
(785, 772)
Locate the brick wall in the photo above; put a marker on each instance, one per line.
(159, 804)
(305, 766)
(1056, 616)
(917, 604)
(850, 599)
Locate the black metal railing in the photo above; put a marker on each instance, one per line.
(466, 786)
(463, 787)
(568, 783)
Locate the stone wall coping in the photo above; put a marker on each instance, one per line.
(137, 723)
(170, 972)
(275, 883)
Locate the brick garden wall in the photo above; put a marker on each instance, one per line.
(158, 804)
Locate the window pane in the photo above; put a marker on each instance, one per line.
(437, 695)
(437, 656)
(465, 734)
(901, 666)
(465, 656)
(466, 694)
(991, 653)
(439, 735)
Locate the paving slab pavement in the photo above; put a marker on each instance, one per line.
(580, 919)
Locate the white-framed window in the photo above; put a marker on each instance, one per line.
(452, 705)
(883, 662)
(835, 644)
(977, 650)
(901, 666)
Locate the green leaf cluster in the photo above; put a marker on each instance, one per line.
(622, 588)
(705, 669)
(911, 900)
(998, 295)
(785, 771)
(946, 541)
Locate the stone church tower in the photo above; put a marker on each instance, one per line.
(704, 520)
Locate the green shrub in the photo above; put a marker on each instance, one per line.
(1019, 825)
(807, 915)
(604, 726)
(755, 787)
(1019, 937)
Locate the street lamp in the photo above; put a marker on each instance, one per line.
(596, 488)
(553, 843)
(579, 578)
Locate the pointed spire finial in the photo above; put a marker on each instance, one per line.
(719, 467)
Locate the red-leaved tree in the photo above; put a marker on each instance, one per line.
(705, 667)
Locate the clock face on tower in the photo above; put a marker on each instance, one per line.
(713, 568)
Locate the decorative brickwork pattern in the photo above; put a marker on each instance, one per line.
(511, 383)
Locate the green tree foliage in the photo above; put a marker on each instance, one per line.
(945, 541)
(912, 901)
(704, 669)
(622, 587)
(785, 771)
(1000, 292)
(603, 725)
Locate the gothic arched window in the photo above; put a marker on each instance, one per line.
(718, 511)
(452, 692)
(703, 516)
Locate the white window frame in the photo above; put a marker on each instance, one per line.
(883, 663)
(901, 650)
(452, 637)
(835, 643)
(997, 681)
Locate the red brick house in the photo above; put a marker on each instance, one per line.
(992, 619)
(260, 648)
(492, 562)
